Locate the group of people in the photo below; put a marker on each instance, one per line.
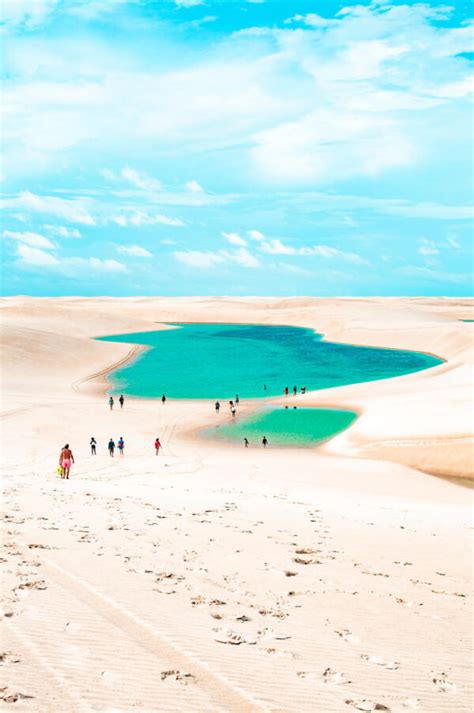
(120, 445)
(295, 390)
(264, 442)
(66, 458)
(232, 405)
(121, 401)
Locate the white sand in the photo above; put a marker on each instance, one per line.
(181, 563)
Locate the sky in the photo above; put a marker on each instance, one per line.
(236, 147)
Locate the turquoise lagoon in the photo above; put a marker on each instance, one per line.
(285, 427)
(218, 361)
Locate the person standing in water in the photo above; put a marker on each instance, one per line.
(286, 390)
(217, 406)
(246, 442)
(294, 390)
(163, 399)
(111, 448)
(157, 446)
(111, 402)
(264, 441)
(237, 400)
(121, 400)
(121, 445)
(65, 460)
(93, 445)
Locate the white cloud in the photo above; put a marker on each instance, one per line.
(256, 235)
(311, 19)
(135, 250)
(429, 252)
(277, 247)
(99, 265)
(452, 242)
(36, 257)
(90, 9)
(73, 266)
(34, 240)
(139, 218)
(26, 12)
(338, 99)
(194, 187)
(195, 258)
(72, 210)
(428, 247)
(234, 239)
(62, 232)
(430, 210)
(140, 180)
(188, 3)
(243, 257)
(427, 275)
(325, 146)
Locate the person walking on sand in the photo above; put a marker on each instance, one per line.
(163, 399)
(121, 400)
(121, 445)
(111, 402)
(217, 406)
(264, 441)
(157, 446)
(65, 460)
(111, 448)
(233, 411)
(93, 445)
(246, 442)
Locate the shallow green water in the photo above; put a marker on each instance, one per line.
(285, 427)
(218, 361)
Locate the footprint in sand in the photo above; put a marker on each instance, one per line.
(443, 684)
(184, 678)
(12, 697)
(334, 677)
(390, 665)
(280, 653)
(227, 636)
(347, 635)
(365, 705)
(40, 584)
(8, 657)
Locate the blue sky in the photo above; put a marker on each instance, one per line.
(199, 147)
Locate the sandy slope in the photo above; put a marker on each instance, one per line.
(325, 580)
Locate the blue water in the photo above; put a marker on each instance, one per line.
(218, 361)
(284, 427)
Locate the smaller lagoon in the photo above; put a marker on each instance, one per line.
(285, 427)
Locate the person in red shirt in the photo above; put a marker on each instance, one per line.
(157, 446)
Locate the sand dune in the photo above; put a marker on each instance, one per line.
(211, 578)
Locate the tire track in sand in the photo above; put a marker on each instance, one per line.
(226, 694)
